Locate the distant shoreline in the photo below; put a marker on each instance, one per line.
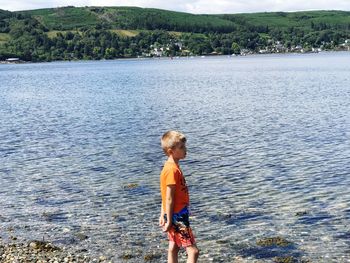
(177, 57)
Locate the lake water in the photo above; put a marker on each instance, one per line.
(268, 154)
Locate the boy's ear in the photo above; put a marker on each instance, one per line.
(169, 152)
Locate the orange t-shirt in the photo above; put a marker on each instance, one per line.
(172, 175)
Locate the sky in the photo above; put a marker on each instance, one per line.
(189, 6)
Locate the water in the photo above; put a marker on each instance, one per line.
(268, 154)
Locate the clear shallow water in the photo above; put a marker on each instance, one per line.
(268, 153)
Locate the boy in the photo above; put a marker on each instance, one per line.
(174, 215)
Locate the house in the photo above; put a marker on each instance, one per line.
(157, 52)
(245, 52)
(263, 51)
(279, 47)
(297, 48)
(346, 44)
(316, 50)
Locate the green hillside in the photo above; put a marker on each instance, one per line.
(307, 20)
(69, 18)
(67, 33)
(5, 16)
(65, 18)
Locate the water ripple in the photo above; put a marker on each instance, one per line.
(268, 140)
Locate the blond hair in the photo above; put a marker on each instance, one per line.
(171, 139)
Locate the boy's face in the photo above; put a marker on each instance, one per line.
(179, 152)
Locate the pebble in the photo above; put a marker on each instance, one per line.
(102, 258)
(33, 245)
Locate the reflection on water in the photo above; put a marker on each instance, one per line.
(268, 144)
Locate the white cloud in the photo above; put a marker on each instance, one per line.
(191, 6)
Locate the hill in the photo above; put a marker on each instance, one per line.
(69, 18)
(110, 32)
(308, 20)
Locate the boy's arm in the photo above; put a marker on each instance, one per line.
(170, 194)
(161, 217)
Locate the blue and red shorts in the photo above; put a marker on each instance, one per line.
(181, 233)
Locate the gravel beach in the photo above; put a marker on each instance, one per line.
(41, 252)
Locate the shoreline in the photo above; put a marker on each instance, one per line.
(36, 251)
(4, 62)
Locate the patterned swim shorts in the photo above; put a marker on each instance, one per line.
(181, 232)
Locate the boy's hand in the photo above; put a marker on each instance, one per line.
(161, 221)
(166, 227)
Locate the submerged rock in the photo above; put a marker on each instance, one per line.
(285, 260)
(131, 186)
(10, 229)
(222, 241)
(290, 259)
(152, 256)
(81, 236)
(273, 241)
(127, 255)
(54, 216)
(301, 213)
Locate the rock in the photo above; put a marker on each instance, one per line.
(33, 245)
(273, 241)
(152, 256)
(127, 255)
(81, 236)
(285, 260)
(302, 213)
(221, 241)
(42, 245)
(102, 258)
(131, 186)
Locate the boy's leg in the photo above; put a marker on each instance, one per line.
(173, 252)
(192, 254)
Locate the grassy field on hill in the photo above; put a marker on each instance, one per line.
(53, 33)
(64, 18)
(4, 37)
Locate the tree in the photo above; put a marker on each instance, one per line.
(110, 53)
(96, 52)
(236, 49)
